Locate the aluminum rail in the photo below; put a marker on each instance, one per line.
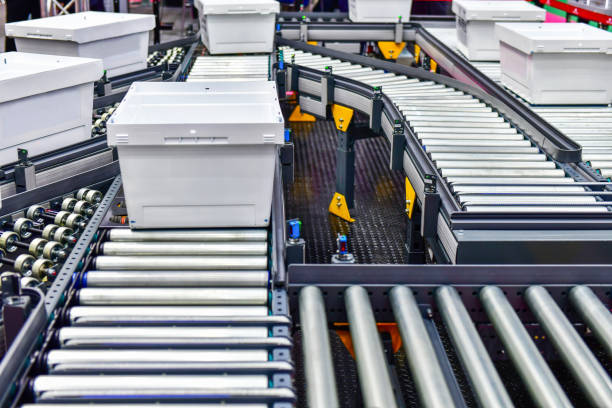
(371, 361)
(488, 386)
(430, 381)
(528, 361)
(587, 371)
(594, 313)
(318, 367)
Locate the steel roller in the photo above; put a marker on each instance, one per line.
(528, 361)
(172, 279)
(488, 386)
(184, 248)
(587, 371)
(596, 315)
(173, 296)
(212, 235)
(318, 367)
(110, 315)
(424, 365)
(180, 263)
(372, 367)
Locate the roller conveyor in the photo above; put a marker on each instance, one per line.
(425, 312)
(480, 136)
(229, 68)
(589, 126)
(173, 334)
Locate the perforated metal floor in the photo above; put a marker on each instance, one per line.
(378, 234)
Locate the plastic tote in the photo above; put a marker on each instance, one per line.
(239, 26)
(379, 11)
(198, 154)
(476, 24)
(45, 102)
(120, 40)
(556, 63)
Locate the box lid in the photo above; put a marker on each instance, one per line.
(554, 37)
(498, 10)
(23, 74)
(238, 6)
(198, 113)
(82, 27)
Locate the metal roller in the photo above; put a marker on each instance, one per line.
(152, 405)
(540, 209)
(55, 359)
(208, 235)
(187, 393)
(587, 370)
(173, 279)
(424, 365)
(184, 248)
(476, 157)
(318, 367)
(135, 384)
(99, 315)
(496, 164)
(173, 296)
(489, 388)
(596, 315)
(169, 368)
(502, 173)
(528, 361)
(371, 361)
(180, 263)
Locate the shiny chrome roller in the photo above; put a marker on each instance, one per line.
(172, 279)
(173, 296)
(183, 248)
(207, 235)
(179, 263)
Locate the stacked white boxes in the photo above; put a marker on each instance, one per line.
(238, 26)
(476, 24)
(45, 102)
(557, 63)
(198, 154)
(120, 40)
(380, 11)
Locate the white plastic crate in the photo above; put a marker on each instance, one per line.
(557, 63)
(238, 26)
(476, 24)
(379, 11)
(120, 40)
(198, 154)
(45, 102)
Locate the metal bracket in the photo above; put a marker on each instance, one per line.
(327, 87)
(25, 172)
(410, 198)
(342, 117)
(377, 108)
(398, 145)
(391, 50)
(339, 207)
(399, 32)
(303, 31)
(431, 207)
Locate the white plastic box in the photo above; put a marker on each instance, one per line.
(45, 102)
(119, 40)
(379, 11)
(557, 63)
(476, 24)
(198, 154)
(238, 26)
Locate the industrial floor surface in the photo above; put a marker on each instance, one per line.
(378, 233)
